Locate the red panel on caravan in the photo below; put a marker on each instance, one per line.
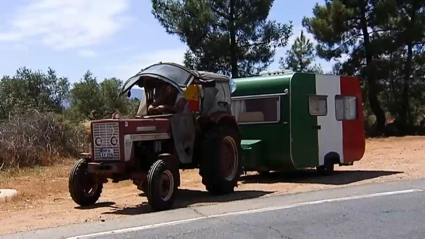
(353, 130)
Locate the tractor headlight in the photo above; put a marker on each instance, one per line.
(114, 141)
(98, 141)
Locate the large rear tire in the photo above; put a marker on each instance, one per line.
(83, 188)
(221, 164)
(161, 185)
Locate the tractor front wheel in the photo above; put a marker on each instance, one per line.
(83, 188)
(221, 164)
(161, 185)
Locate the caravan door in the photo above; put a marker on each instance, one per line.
(315, 131)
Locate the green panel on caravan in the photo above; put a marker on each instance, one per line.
(261, 107)
(299, 120)
(304, 143)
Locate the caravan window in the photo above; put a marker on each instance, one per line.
(256, 110)
(318, 105)
(345, 107)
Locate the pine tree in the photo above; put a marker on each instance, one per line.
(227, 36)
(301, 56)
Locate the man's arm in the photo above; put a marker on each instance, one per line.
(177, 109)
(167, 108)
(153, 108)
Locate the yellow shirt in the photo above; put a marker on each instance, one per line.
(192, 93)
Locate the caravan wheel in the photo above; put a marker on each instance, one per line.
(326, 169)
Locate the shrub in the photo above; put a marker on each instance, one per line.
(32, 138)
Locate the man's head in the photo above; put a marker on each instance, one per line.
(166, 93)
(171, 90)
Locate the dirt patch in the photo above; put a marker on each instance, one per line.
(46, 203)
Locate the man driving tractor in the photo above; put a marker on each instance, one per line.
(168, 100)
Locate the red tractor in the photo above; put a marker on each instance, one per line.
(151, 148)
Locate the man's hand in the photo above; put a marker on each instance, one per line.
(165, 109)
(156, 110)
(160, 109)
(152, 110)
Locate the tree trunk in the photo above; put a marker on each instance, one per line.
(233, 44)
(404, 108)
(370, 73)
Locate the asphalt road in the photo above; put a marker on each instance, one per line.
(389, 210)
(393, 216)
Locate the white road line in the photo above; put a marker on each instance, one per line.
(267, 209)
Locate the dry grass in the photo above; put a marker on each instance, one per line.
(38, 184)
(86, 125)
(37, 157)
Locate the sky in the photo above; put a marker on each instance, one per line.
(111, 38)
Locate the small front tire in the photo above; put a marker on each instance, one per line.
(161, 186)
(83, 188)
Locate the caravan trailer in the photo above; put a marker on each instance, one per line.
(293, 121)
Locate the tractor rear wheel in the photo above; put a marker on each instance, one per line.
(161, 185)
(83, 188)
(221, 164)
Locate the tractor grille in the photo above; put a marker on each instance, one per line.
(103, 148)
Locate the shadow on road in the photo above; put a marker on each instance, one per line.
(97, 205)
(339, 177)
(187, 197)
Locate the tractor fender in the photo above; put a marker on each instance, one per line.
(226, 118)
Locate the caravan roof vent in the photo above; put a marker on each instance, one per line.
(277, 72)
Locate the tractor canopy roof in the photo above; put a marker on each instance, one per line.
(172, 73)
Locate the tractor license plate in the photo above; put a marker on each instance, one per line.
(106, 153)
